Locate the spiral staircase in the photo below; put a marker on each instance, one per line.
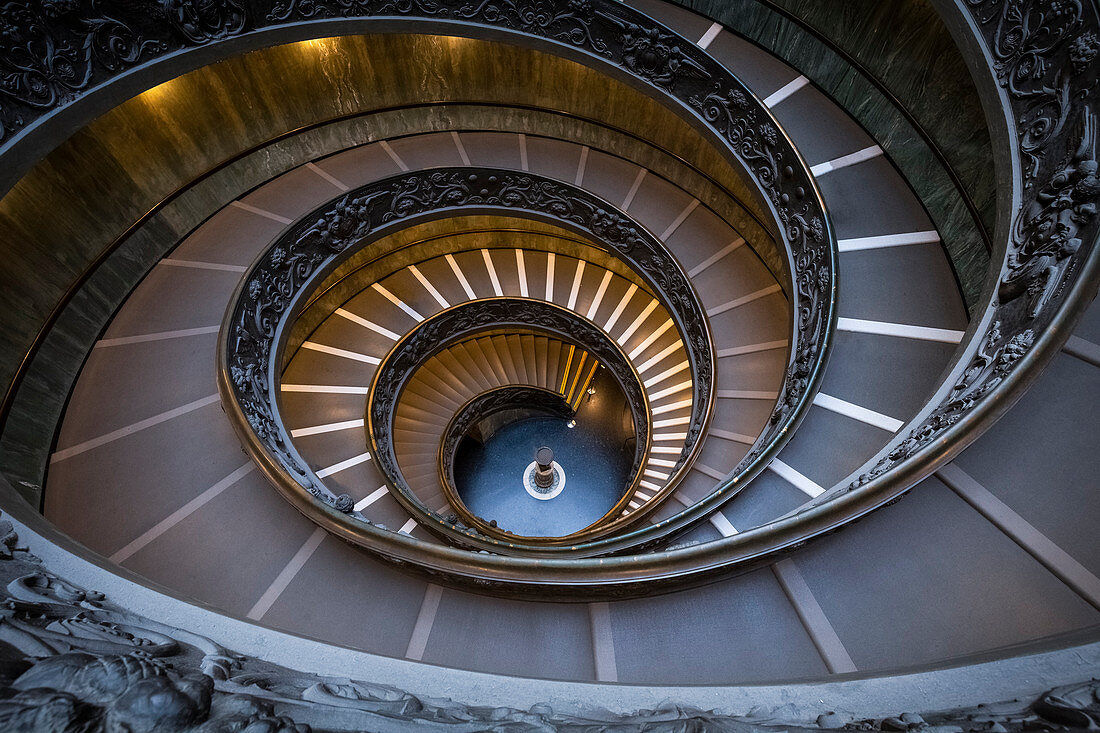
(263, 294)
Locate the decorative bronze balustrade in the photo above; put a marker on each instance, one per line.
(459, 323)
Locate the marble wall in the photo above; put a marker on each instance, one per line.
(907, 47)
(59, 222)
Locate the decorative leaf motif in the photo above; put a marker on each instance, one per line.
(467, 321)
(283, 275)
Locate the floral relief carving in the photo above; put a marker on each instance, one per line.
(283, 274)
(49, 52)
(73, 660)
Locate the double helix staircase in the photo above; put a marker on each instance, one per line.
(985, 555)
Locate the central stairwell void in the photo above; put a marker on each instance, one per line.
(584, 453)
(344, 317)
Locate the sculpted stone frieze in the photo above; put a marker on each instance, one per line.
(1043, 54)
(72, 660)
(604, 28)
(466, 321)
(282, 274)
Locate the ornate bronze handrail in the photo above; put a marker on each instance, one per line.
(639, 48)
(642, 49)
(281, 280)
(617, 36)
(1043, 60)
(507, 315)
(1002, 348)
(527, 398)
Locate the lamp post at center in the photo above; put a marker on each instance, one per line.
(544, 478)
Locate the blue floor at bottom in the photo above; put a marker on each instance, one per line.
(490, 477)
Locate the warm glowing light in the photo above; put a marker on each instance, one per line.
(158, 94)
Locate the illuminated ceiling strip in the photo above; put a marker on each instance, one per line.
(393, 155)
(1084, 350)
(882, 328)
(671, 390)
(461, 148)
(287, 574)
(659, 475)
(854, 411)
(324, 389)
(672, 422)
(682, 404)
(344, 353)
(665, 374)
(565, 373)
(723, 525)
(343, 465)
(409, 310)
(523, 152)
(625, 336)
(599, 294)
(429, 287)
(887, 240)
(182, 513)
(735, 437)
(408, 527)
(202, 265)
(581, 166)
(576, 285)
(708, 471)
(813, 618)
(752, 348)
(367, 324)
(846, 160)
(640, 348)
(131, 429)
(550, 277)
(731, 247)
(634, 189)
(577, 376)
(371, 498)
(425, 619)
(260, 212)
(492, 270)
(737, 302)
(584, 387)
(521, 268)
(657, 358)
(328, 176)
(1054, 558)
(329, 428)
(679, 220)
(658, 437)
(710, 35)
(461, 277)
(747, 394)
(785, 91)
(620, 307)
(159, 336)
(803, 483)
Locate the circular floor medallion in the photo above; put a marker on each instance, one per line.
(551, 491)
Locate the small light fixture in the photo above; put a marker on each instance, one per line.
(571, 424)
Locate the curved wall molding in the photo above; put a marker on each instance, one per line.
(766, 708)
